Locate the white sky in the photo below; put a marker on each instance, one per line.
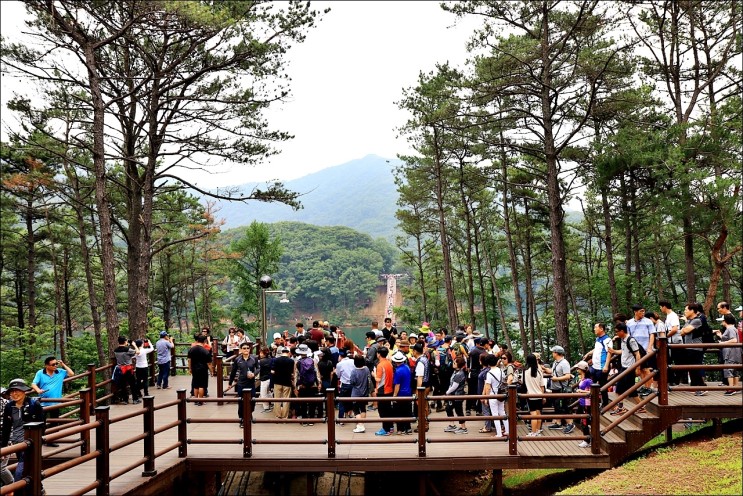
(346, 78)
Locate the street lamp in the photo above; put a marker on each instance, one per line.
(265, 283)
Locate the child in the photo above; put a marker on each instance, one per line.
(584, 386)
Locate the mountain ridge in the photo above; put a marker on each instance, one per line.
(330, 197)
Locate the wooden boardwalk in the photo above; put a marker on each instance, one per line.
(444, 451)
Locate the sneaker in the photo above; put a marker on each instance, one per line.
(461, 430)
(555, 427)
(167, 387)
(241, 424)
(52, 445)
(359, 429)
(700, 393)
(450, 428)
(408, 432)
(468, 412)
(157, 386)
(728, 393)
(136, 402)
(584, 444)
(568, 429)
(540, 432)
(310, 424)
(381, 432)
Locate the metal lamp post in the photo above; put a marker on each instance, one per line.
(265, 283)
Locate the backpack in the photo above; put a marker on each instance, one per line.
(502, 386)
(642, 350)
(447, 362)
(704, 330)
(307, 375)
(426, 370)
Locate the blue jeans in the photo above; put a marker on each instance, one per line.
(18, 475)
(163, 374)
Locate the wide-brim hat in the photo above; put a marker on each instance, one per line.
(398, 357)
(19, 384)
(303, 349)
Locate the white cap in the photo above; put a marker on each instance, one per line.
(720, 319)
(277, 335)
(740, 307)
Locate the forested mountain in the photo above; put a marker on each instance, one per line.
(359, 194)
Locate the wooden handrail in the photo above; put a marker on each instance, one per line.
(627, 371)
(704, 345)
(625, 394)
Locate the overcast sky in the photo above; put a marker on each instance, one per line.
(346, 78)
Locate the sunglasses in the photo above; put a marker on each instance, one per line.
(53, 364)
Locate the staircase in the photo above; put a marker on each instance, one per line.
(632, 434)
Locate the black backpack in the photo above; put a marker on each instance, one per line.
(704, 330)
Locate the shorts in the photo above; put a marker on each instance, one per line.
(200, 379)
(625, 383)
(359, 407)
(730, 373)
(535, 404)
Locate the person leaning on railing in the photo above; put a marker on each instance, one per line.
(49, 382)
(18, 411)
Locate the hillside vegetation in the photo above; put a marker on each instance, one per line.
(360, 194)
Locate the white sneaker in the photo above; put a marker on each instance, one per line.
(359, 429)
(450, 428)
(584, 444)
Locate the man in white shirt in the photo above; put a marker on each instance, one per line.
(343, 370)
(673, 326)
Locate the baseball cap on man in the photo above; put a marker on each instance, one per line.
(18, 384)
(163, 334)
(283, 350)
(277, 335)
(558, 349)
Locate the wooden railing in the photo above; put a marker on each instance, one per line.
(513, 415)
(34, 474)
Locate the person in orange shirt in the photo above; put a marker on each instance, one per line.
(385, 386)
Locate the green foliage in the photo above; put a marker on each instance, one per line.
(23, 351)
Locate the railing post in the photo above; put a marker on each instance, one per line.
(662, 361)
(595, 418)
(92, 386)
(102, 463)
(182, 432)
(330, 409)
(214, 353)
(149, 441)
(422, 420)
(172, 361)
(247, 400)
(85, 395)
(32, 432)
(511, 411)
(220, 380)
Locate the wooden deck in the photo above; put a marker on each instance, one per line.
(390, 454)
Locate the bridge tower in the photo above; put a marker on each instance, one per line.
(391, 295)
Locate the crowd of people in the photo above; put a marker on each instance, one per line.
(392, 363)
